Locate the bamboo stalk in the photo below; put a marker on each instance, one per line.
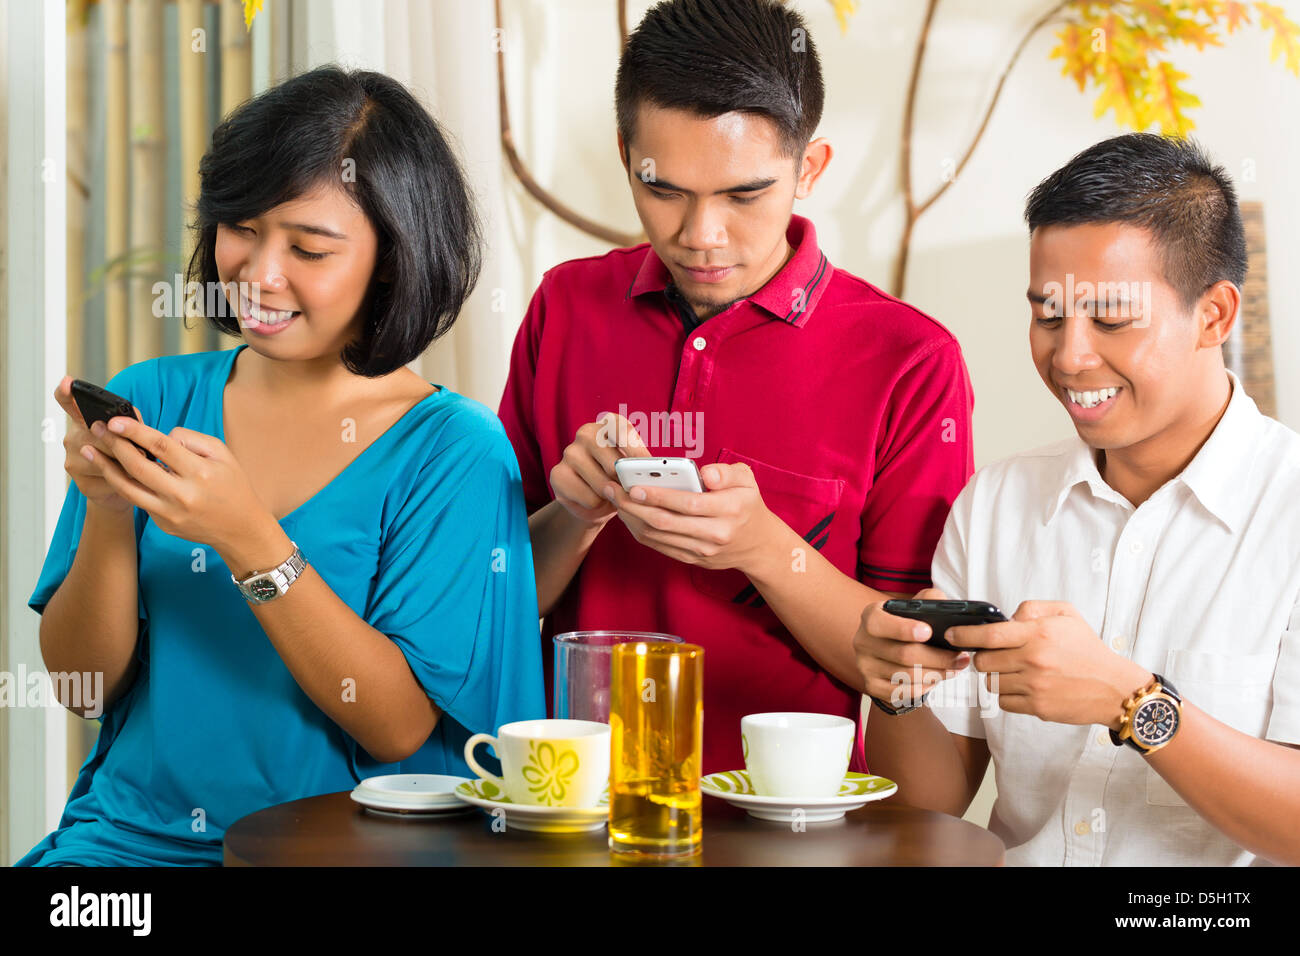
(81, 733)
(236, 74)
(266, 35)
(117, 184)
(148, 173)
(280, 40)
(236, 57)
(194, 139)
(269, 12)
(78, 175)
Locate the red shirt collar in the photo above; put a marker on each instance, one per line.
(790, 295)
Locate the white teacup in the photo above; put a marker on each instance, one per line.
(797, 755)
(548, 763)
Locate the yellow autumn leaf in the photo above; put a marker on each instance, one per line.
(251, 9)
(1212, 9)
(1194, 32)
(843, 10)
(1112, 32)
(1286, 35)
(1147, 42)
(1170, 102)
(1079, 62)
(1121, 91)
(1157, 11)
(1236, 13)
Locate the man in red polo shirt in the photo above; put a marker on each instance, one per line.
(830, 421)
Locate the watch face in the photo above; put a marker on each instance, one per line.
(263, 589)
(1155, 723)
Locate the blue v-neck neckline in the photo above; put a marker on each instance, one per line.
(218, 402)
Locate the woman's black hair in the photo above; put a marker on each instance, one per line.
(362, 131)
(711, 57)
(1165, 185)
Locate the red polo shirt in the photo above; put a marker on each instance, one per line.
(852, 408)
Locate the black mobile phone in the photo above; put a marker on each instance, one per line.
(941, 615)
(99, 405)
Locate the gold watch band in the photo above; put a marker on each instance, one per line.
(1129, 707)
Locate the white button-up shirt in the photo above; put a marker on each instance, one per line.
(1201, 584)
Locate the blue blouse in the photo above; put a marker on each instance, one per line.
(424, 535)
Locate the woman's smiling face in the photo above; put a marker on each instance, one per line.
(300, 274)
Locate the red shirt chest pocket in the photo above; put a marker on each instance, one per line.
(804, 502)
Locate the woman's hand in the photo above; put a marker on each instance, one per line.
(86, 454)
(202, 495)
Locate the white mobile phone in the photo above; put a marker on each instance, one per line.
(679, 474)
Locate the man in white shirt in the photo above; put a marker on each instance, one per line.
(1153, 561)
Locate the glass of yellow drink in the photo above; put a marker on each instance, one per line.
(656, 714)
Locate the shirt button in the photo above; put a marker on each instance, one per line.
(1081, 828)
(1135, 546)
(1117, 642)
(699, 343)
(1103, 738)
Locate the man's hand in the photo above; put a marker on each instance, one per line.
(1049, 663)
(895, 662)
(587, 466)
(725, 526)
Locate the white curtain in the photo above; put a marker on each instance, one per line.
(442, 50)
(561, 58)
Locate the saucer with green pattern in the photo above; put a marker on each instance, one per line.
(857, 790)
(487, 796)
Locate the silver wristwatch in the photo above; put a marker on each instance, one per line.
(263, 586)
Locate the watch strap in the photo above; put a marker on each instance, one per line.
(262, 586)
(898, 711)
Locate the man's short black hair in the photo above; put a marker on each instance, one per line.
(364, 132)
(1167, 186)
(711, 57)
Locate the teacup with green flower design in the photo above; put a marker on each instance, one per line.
(548, 763)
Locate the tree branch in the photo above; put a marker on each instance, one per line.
(913, 209)
(997, 93)
(526, 178)
(909, 111)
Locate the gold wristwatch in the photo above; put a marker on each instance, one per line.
(1152, 715)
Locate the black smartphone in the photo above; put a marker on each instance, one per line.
(99, 405)
(941, 615)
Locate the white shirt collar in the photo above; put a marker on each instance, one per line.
(1220, 468)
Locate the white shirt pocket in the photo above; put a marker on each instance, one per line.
(1235, 689)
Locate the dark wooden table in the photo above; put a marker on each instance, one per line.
(332, 830)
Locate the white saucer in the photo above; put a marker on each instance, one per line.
(536, 819)
(857, 790)
(437, 814)
(410, 793)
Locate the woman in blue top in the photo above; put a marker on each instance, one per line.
(337, 226)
